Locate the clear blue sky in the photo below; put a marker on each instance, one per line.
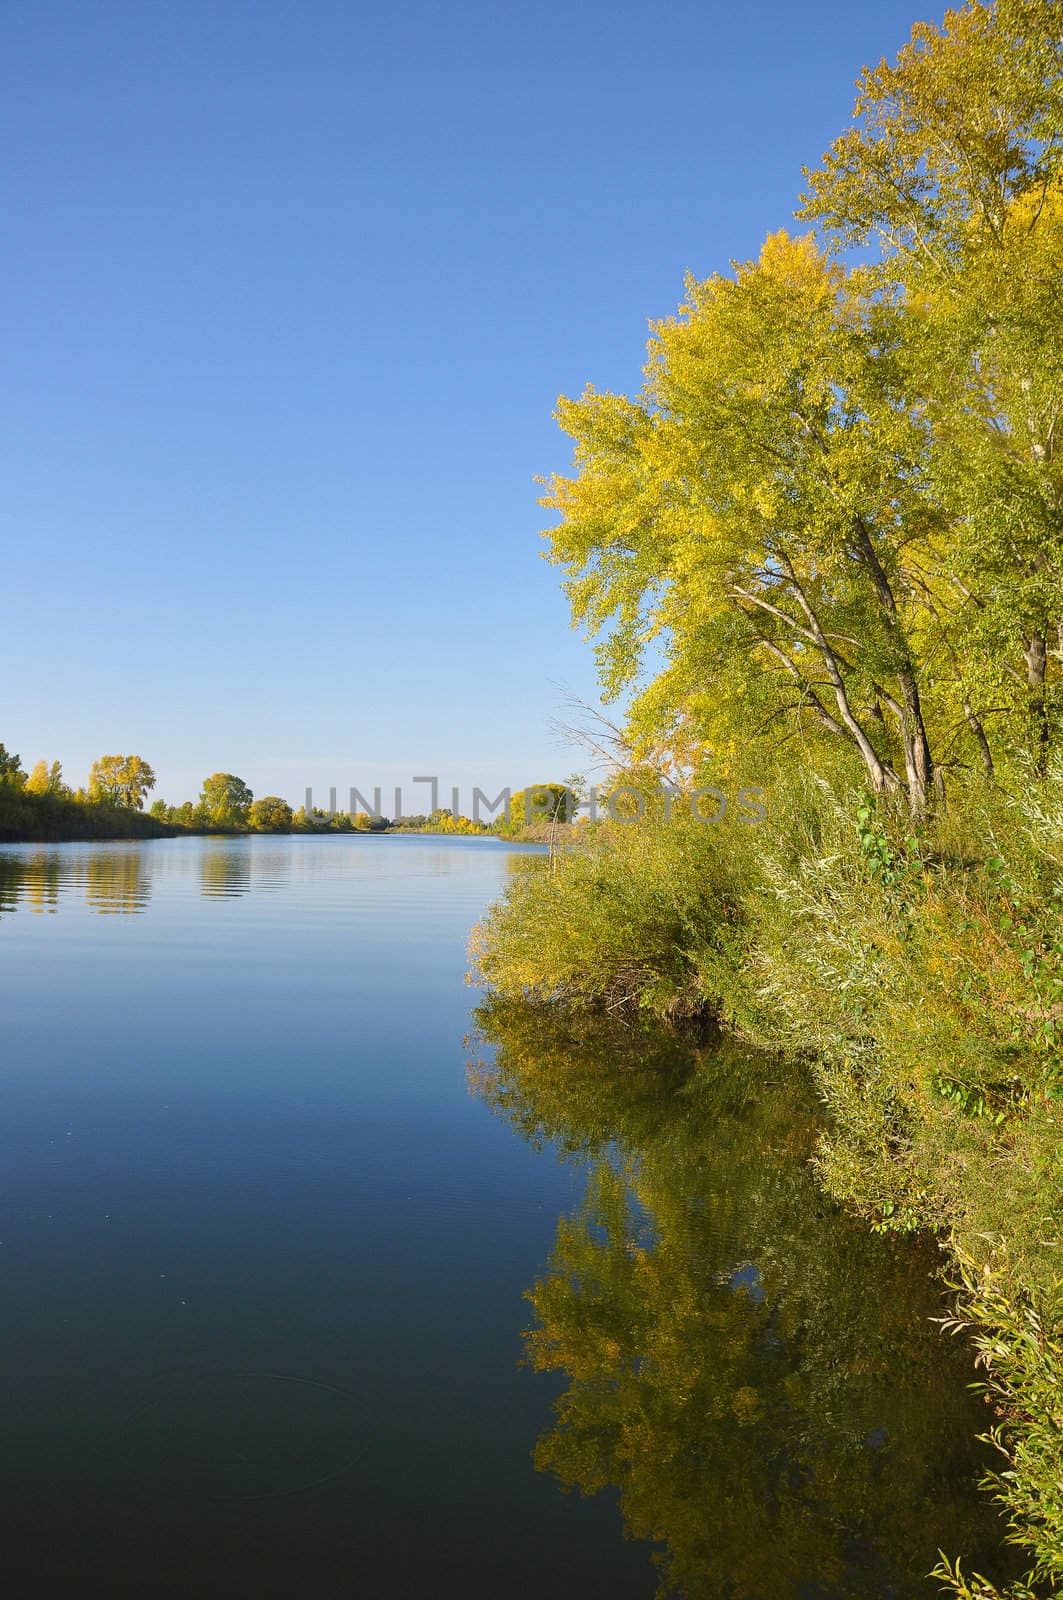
(289, 292)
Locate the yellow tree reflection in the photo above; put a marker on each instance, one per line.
(756, 1374)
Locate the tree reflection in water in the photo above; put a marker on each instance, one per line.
(114, 879)
(756, 1374)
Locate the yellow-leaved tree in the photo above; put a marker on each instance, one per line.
(120, 781)
(953, 171)
(753, 515)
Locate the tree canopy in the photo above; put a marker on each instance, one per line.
(10, 767)
(271, 813)
(121, 781)
(47, 779)
(226, 799)
(835, 509)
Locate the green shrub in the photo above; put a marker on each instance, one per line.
(1016, 1330)
(620, 918)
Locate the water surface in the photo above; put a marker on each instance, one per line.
(265, 1260)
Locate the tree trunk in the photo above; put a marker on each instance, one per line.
(883, 778)
(974, 722)
(1035, 652)
(918, 767)
(918, 763)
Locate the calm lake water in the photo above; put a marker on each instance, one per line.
(272, 1206)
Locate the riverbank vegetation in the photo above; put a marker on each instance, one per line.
(822, 553)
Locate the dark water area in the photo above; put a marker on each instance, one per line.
(272, 1203)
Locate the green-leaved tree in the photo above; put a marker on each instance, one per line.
(271, 813)
(226, 799)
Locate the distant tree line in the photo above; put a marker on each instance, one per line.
(40, 804)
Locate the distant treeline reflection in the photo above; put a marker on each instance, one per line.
(117, 878)
(108, 880)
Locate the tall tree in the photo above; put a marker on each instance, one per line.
(46, 779)
(121, 780)
(752, 515)
(837, 503)
(953, 169)
(226, 798)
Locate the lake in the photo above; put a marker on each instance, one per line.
(316, 1283)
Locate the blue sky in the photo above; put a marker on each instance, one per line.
(289, 293)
